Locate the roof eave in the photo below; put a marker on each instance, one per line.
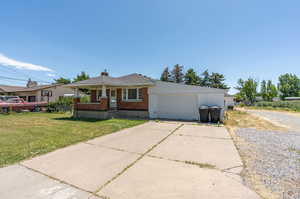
(108, 85)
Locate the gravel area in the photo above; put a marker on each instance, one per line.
(275, 158)
(286, 119)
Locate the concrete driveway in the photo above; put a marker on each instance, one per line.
(150, 161)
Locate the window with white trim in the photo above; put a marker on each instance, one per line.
(132, 94)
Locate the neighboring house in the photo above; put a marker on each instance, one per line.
(292, 98)
(229, 100)
(136, 95)
(37, 93)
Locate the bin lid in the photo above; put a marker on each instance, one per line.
(203, 107)
(214, 107)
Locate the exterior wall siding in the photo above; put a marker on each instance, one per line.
(57, 91)
(102, 106)
(135, 105)
(176, 101)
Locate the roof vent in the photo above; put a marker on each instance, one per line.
(104, 73)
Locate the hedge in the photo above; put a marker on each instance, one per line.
(64, 104)
(290, 105)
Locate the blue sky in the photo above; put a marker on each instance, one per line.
(238, 38)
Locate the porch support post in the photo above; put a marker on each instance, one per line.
(103, 91)
(104, 100)
(77, 93)
(76, 101)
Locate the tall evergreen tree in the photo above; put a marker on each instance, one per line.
(205, 80)
(191, 78)
(177, 75)
(165, 76)
(216, 80)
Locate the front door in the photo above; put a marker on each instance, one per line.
(113, 99)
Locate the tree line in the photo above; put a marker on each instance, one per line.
(81, 76)
(176, 75)
(288, 86)
(190, 77)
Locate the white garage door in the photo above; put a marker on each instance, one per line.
(182, 107)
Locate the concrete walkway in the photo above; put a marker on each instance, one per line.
(153, 160)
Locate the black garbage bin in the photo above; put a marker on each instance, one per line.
(215, 114)
(203, 111)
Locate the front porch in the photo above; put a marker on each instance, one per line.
(113, 102)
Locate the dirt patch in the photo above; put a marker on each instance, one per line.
(241, 119)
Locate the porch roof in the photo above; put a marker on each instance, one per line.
(128, 80)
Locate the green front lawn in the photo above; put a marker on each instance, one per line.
(24, 135)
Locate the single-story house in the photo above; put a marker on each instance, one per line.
(136, 95)
(33, 92)
(229, 100)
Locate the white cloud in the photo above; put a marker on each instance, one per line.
(21, 65)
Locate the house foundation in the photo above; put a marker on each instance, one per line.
(103, 115)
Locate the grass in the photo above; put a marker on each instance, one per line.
(25, 135)
(201, 165)
(290, 106)
(293, 149)
(270, 108)
(241, 119)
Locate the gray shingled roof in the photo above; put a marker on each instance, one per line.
(10, 89)
(127, 80)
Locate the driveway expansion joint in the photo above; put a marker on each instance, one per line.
(60, 181)
(197, 164)
(139, 158)
(113, 148)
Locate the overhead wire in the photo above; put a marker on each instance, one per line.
(22, 74)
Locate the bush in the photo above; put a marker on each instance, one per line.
(64, 104)
(289, 105)
(85, 99)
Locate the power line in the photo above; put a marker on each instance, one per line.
(17, 79)
(20, 73)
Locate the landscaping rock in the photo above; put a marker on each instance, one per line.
(276, 159)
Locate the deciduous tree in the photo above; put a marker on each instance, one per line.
(82, 76)
(248, 89)
(289, 85)
(62, 80)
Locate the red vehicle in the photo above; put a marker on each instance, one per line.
(18, 104)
